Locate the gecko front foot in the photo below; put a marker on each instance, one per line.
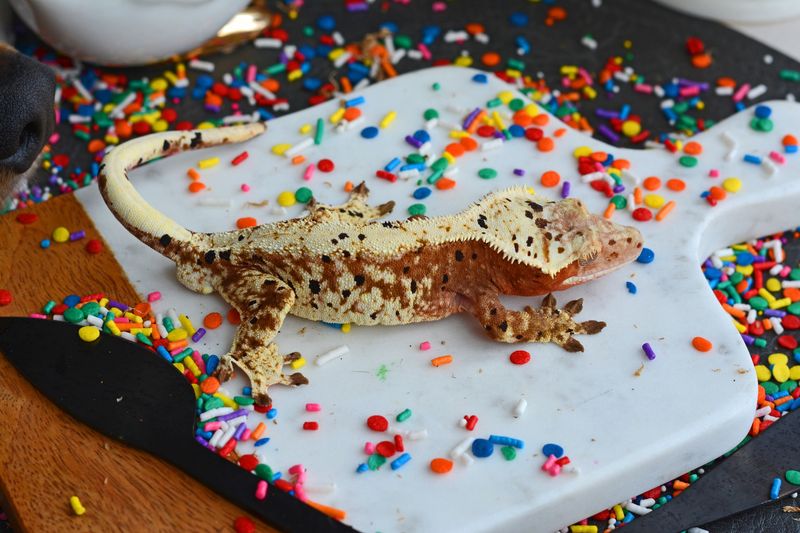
(262, 365)
(546, 324)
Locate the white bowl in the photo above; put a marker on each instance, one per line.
(126, 32)
(742, 11)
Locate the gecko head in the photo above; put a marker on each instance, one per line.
(606, 246)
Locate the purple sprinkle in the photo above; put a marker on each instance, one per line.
(565, 189)
(775, 312)
(498, 135)
(619, 188)
(608, 133)
(235, 414)
(606, 113)
(691, 83)
(201, 440)
(648, 351)
(769, 398)
(119, 305)
(77, 235)
(239, 430)
(519, 172)
(198, 334)
(707, 263)
(471, 118)
(759, 259)
(748, 340)
(413, 141)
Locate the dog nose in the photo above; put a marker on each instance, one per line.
(26, 109)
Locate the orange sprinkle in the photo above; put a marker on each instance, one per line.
(444, 184)
(541, 119)
(388, 68)
(676, 185)
(550, 178)
(474, 28)
(455, 149)
(95, 145)
(717, 193)
(755, 427)
(233, 317)
(196, 186)
(123, 128)
(468, 143)
(490, 59)
(559, 132)
(442, 360)
(441, 465)
(651, 183)
(348, 186)
(789, 140)
(679, 485)
(174, 345)
(246, 222)
(345, 84)
(212, 321)
(637, 195)
(599, 156)
(260, 429)
(193, 174)
(622, 164)
(693, 148)
(351, 113)
(701, 60)
(664, 211)
(522, 118)
(726, 82)
(271, 84)
(762, 394)
(791, 293)
(609, 212)
(545, 144)
(298, 159)
(333, 512)
(210, 385)
(702, 344)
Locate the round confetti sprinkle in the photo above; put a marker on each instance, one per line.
(243, 524)
(385, 448)
(246, 222)
(676, 185)
(642, 214)
(688, 161)
(646, 256)
(441, 465)
(89, 333)
(631, 128)
(5, 297)
(482, 448)
(509, 453)
(303, 195)
(370, 132)
(787, 341)
(417, 209)
(487, 173)
(702, 344)
(325, 165)
(422, 193)
(27, 218)
(732, 184)
(94, 246)
(793, 477)
(520, 357)
(286, 199)
(249, 462)
(212, 321)
(60, 234)
(550, 178)
(552, 449)
(651, 183)
(377, 423)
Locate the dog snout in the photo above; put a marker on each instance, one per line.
(26, 110)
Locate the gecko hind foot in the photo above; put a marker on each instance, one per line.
(563, 327)
(263, 368)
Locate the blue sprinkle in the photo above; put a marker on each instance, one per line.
(480, 78)
(247, 391)
(422, 136)
(45, 243)
(272, 413)
(518, 19)
(506, 441)
(776, 488)
(552, 449)
(516, 130)
(211, 364)
(745, 259)
(393, 164)
(750, 158)
(362, 468)
(482, 448)
(646, 256)
(312, 84)
(276, 476)
(631, 287)
(261, 442)
(370, 132)
(790, 148)
(358, 100)
(326, 23)
(422, 193)
(72, 300)
(400, 461)
(763, 111)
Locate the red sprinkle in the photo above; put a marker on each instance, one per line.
(5, 297)
(325, 165)
(27, 218)
(377, 423)
(244, 525)
(642, 214)
(788, 342)
(385, 448)
(472, 421)
(248, 462)
(239, 158)
(520, 357)
(311, 426)
(400, 447)
(94, 246)
(790, 322)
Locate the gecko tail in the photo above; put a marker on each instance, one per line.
(145, 222)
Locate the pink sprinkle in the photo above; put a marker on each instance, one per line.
(586, 76)
(777, 157)
(245, 187)
(261, 490)
(251, 73)
(37, 315)
(212, 426)
(369, 448)
(439, 6)
(693, 90)
(785, 272)
(556, 470)
(643, 88)
(300, 492)
(296, 469)
(246, 434)
(54, 137)
(713, 173)
(425, 52)
(740, 94)
(154, 296)
(551, 461)
(309, 173)
(313, 407)
(425, 346)
(198, 360)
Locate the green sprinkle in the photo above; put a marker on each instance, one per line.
(516, 64)
(794, 308)
(308, 31)
(375, 461)
(688, 161)
(264, 472)
(382, 372)
(90, 308)
(243, 400)
(789, 386)
(167, 322)
(770, 387)
(405, 415)
(793, 477)
(213, 403)
(48, 307)
(693, 478)
(509, 453)
(303, 195)
(794, 275)
(73, 315)
(403, 41)
(320, 130)
(760, 343)
(277, 68)
(433, 178)
(758, 303)
(487, 173)
(141, 337)
(736, 277)
(494, 102)
(791, 75)
(416, 209)
(415, 159)
(619, 201)
(430, 114)
(439, 164)
(436, 86)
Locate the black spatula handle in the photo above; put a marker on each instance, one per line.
(279, 509)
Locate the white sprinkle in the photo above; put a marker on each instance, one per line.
(398, 55)
(743, 307)
(774, 271)
(491, 145)
(767, 59)
(264, 42)
(658, 90)
(127, 335)
(342, 59)
(756, 91)
(60, 318)
(419, 434)
(81, 89)
(466, 459)
(322, 488)
(769, 166)
(696, 530)
(414, 54)
(647, 502)
(776, 325)
(228, 435)
(199, 64)
(461, 447)
(724, 91)
(172, 314)
(94, 321)
(453, 36)
(519, 409)
(214, 440)
(299, 147)
(592, 176)
(337, 38)
(451, 171)
(482, 38)
(724, 252)
(637, 509)
(462, 422)
(332, 354)
(212, 413)
(790, 284)
(589, 42)
(764, 411)
(257, 87)
(751, 316)
(408, 174)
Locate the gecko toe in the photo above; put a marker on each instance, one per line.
(572, 345)
(574, 307)
(298, 379)
(291, 357)
(549, 301)
(591, 327)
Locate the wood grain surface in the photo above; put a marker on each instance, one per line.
(45, 455)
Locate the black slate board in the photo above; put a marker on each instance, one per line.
(658, 38)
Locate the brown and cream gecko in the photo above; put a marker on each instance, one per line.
(340, 264)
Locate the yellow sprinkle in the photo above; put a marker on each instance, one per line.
(345, 328)
(187, 324)
(780, 303)
(336, 52)
(581, 151)
(619, 514)
(193, 368)
(133, 318)
(226, 401)
(206, 125)
(286, 199)
(763, 373)
(112, 327)
(116, 311)
(591, 94)
(700, 105)
(103, 302)
(506, 96)
(298, 363)
(498, 121)
(208, 163)
(732, 184)
(740, 247)
(61, 234)
(305, 128)
(76, 505)
(196, 389)
(654, 200)
(295, 75)
(337, 115)
(458, 134)
(160, 125)
(533, 110)
(179, 367)
(177, 334)
(159, 84)
(450, 159)
(530, 190)
(512, 73)
(144, 331)
(773, 285)
(171, 77)
(631, 128)
(279, 149)
(794, 373)
(741, 328)
(463, 61)
(778, 359)
(781, 373)
(388, 119)
(89, 333)
(745, 270)
(569, 69)
(109, 139)
(764, 293)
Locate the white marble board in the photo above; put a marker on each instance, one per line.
(625, 433)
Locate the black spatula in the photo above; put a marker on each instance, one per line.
(128, 393)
